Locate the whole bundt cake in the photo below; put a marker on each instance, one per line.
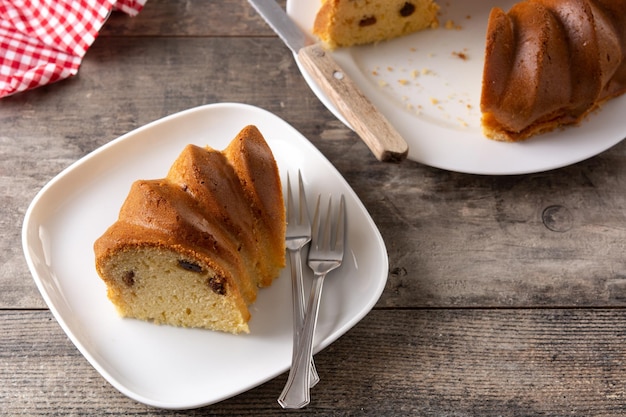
(341, 23)
(191, 249)
(548, 63)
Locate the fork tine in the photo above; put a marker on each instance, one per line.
(290, 212)
(297, 214)
(303, 209)
(321, 234)
(341, 225)
(326, 234)
(316, 221)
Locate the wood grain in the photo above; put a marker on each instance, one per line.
(506, 295)
(190, 18)
(453, 239)
(396, 362)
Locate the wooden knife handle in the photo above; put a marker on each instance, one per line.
(374, 129)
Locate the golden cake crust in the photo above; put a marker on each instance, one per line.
(192, 248)
(549, 63)
(252, 160)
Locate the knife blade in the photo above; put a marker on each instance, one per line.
(373, 128)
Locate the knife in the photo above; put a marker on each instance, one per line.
(372, 127)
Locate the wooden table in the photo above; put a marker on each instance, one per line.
(506, 295)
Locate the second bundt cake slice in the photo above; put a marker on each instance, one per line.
(549, 63)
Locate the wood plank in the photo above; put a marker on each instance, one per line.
(547, 239)
(462, 362)
(554, 238)
(505, 295)
(190, 18)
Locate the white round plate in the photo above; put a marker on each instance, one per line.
(428, 85)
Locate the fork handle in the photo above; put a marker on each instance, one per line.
(297, 295)
(296, 393)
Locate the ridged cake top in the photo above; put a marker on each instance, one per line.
(219, 205)
(550, 62)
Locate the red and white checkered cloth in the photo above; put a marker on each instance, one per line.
(43, 41)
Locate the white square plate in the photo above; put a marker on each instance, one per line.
(180, 368)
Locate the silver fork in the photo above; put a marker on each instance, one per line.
(325, 254)
(298, 234)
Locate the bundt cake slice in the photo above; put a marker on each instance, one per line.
(341, 23)
(548, 63)
(191, 249)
